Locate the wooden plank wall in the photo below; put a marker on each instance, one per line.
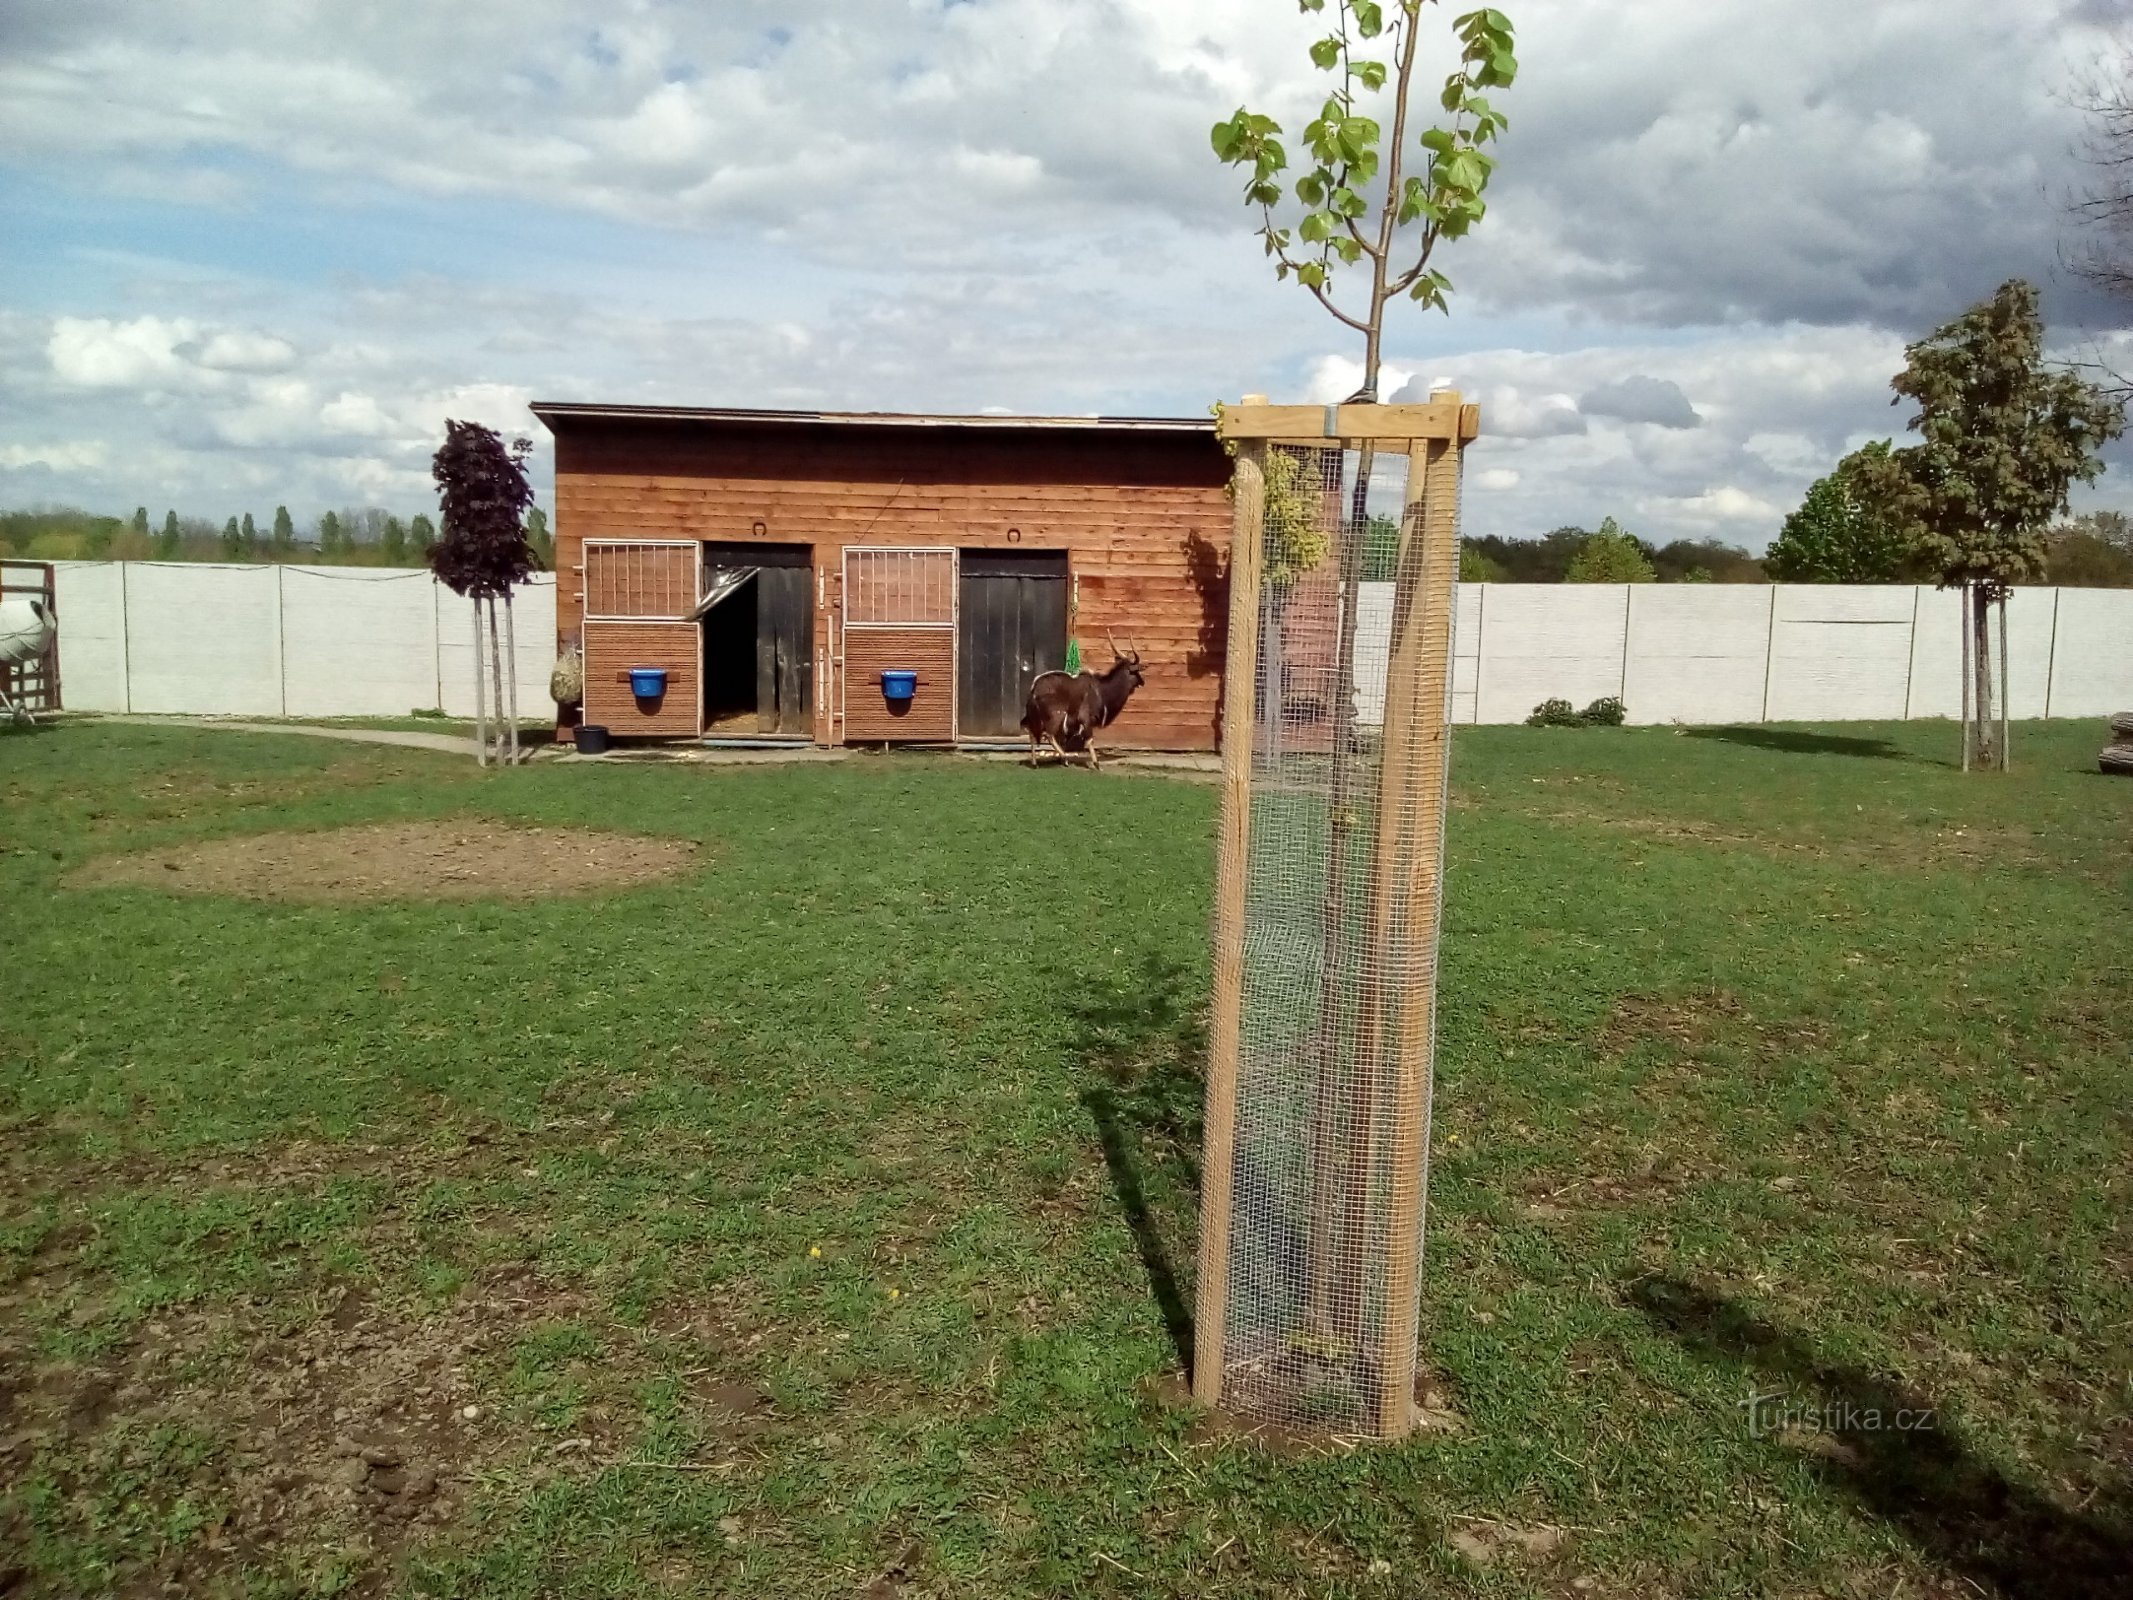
(1141, 514)
(612, 648)
(930, 715)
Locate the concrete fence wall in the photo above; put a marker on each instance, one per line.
(1776, 653)
(282, 641)
(353, 641)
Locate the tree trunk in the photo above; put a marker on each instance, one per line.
(1986, 755)
(481, 703)
(1333, 1148)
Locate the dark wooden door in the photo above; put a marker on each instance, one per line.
(1013, 625)
(785, 651)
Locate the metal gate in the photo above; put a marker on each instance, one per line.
(899, 616)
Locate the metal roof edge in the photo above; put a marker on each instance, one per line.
(552, 411)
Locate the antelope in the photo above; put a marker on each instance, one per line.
(1065, 710)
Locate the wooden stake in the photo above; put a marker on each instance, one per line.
(1218, 1163)
(2006, 692)
(1418, 677)
(496, 667)
(511, 683)
(481, 702)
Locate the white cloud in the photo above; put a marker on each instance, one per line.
(97, 353)
(1726, 503)
(74, 455)
(238, 351)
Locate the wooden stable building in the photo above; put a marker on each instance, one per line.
(774, 566)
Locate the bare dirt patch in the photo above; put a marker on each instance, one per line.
(359, 1433)
(457, 860)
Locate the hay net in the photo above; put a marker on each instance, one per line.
(1340, 935)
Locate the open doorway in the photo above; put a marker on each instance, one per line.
(758, 627)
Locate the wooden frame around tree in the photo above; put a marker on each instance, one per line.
(1407, 872)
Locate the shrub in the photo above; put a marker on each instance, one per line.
(1605, 712)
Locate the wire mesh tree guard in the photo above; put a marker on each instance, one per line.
(1329, 886)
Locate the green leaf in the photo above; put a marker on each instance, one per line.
(1326, 53)
(1311, 189)
(1317, 227)
(1414, 196)
(1440, 140)
(1357, 134)
(1369, 18)
(1312, 274)
(1347, 203)
(1372, 74)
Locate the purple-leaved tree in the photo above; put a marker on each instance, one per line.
(481, 552)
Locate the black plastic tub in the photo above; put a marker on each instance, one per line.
(593, 739)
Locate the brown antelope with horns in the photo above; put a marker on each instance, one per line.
(1065, 710)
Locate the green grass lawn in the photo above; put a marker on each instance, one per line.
(818, 1224)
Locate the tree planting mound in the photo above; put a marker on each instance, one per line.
(451, 860)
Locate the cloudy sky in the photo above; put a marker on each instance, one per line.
(256, 253)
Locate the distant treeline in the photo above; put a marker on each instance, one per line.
(1606, 555)
(2093, 551)
(357, 536)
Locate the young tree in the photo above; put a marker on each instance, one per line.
(542, 541)
(248, 539)
(329, 535)
(2001, 440)
(1840, 534)
(1359, 201)
(392, 543)
(1374, 205)
(284, 534)
(232, 541)
(170, 543)
(1610, 556)
(1474, 567)
(1379, 204)
(140, 523)
(421, 534)
(483, 553)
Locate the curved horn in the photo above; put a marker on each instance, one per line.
(1113, 643)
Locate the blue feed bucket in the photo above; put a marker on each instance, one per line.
(899, 685)
(648, 683)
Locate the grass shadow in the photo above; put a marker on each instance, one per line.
(1139, 1059)
(1800, 742)
(2001, 1536)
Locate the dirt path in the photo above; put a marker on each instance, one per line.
(450, 744)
